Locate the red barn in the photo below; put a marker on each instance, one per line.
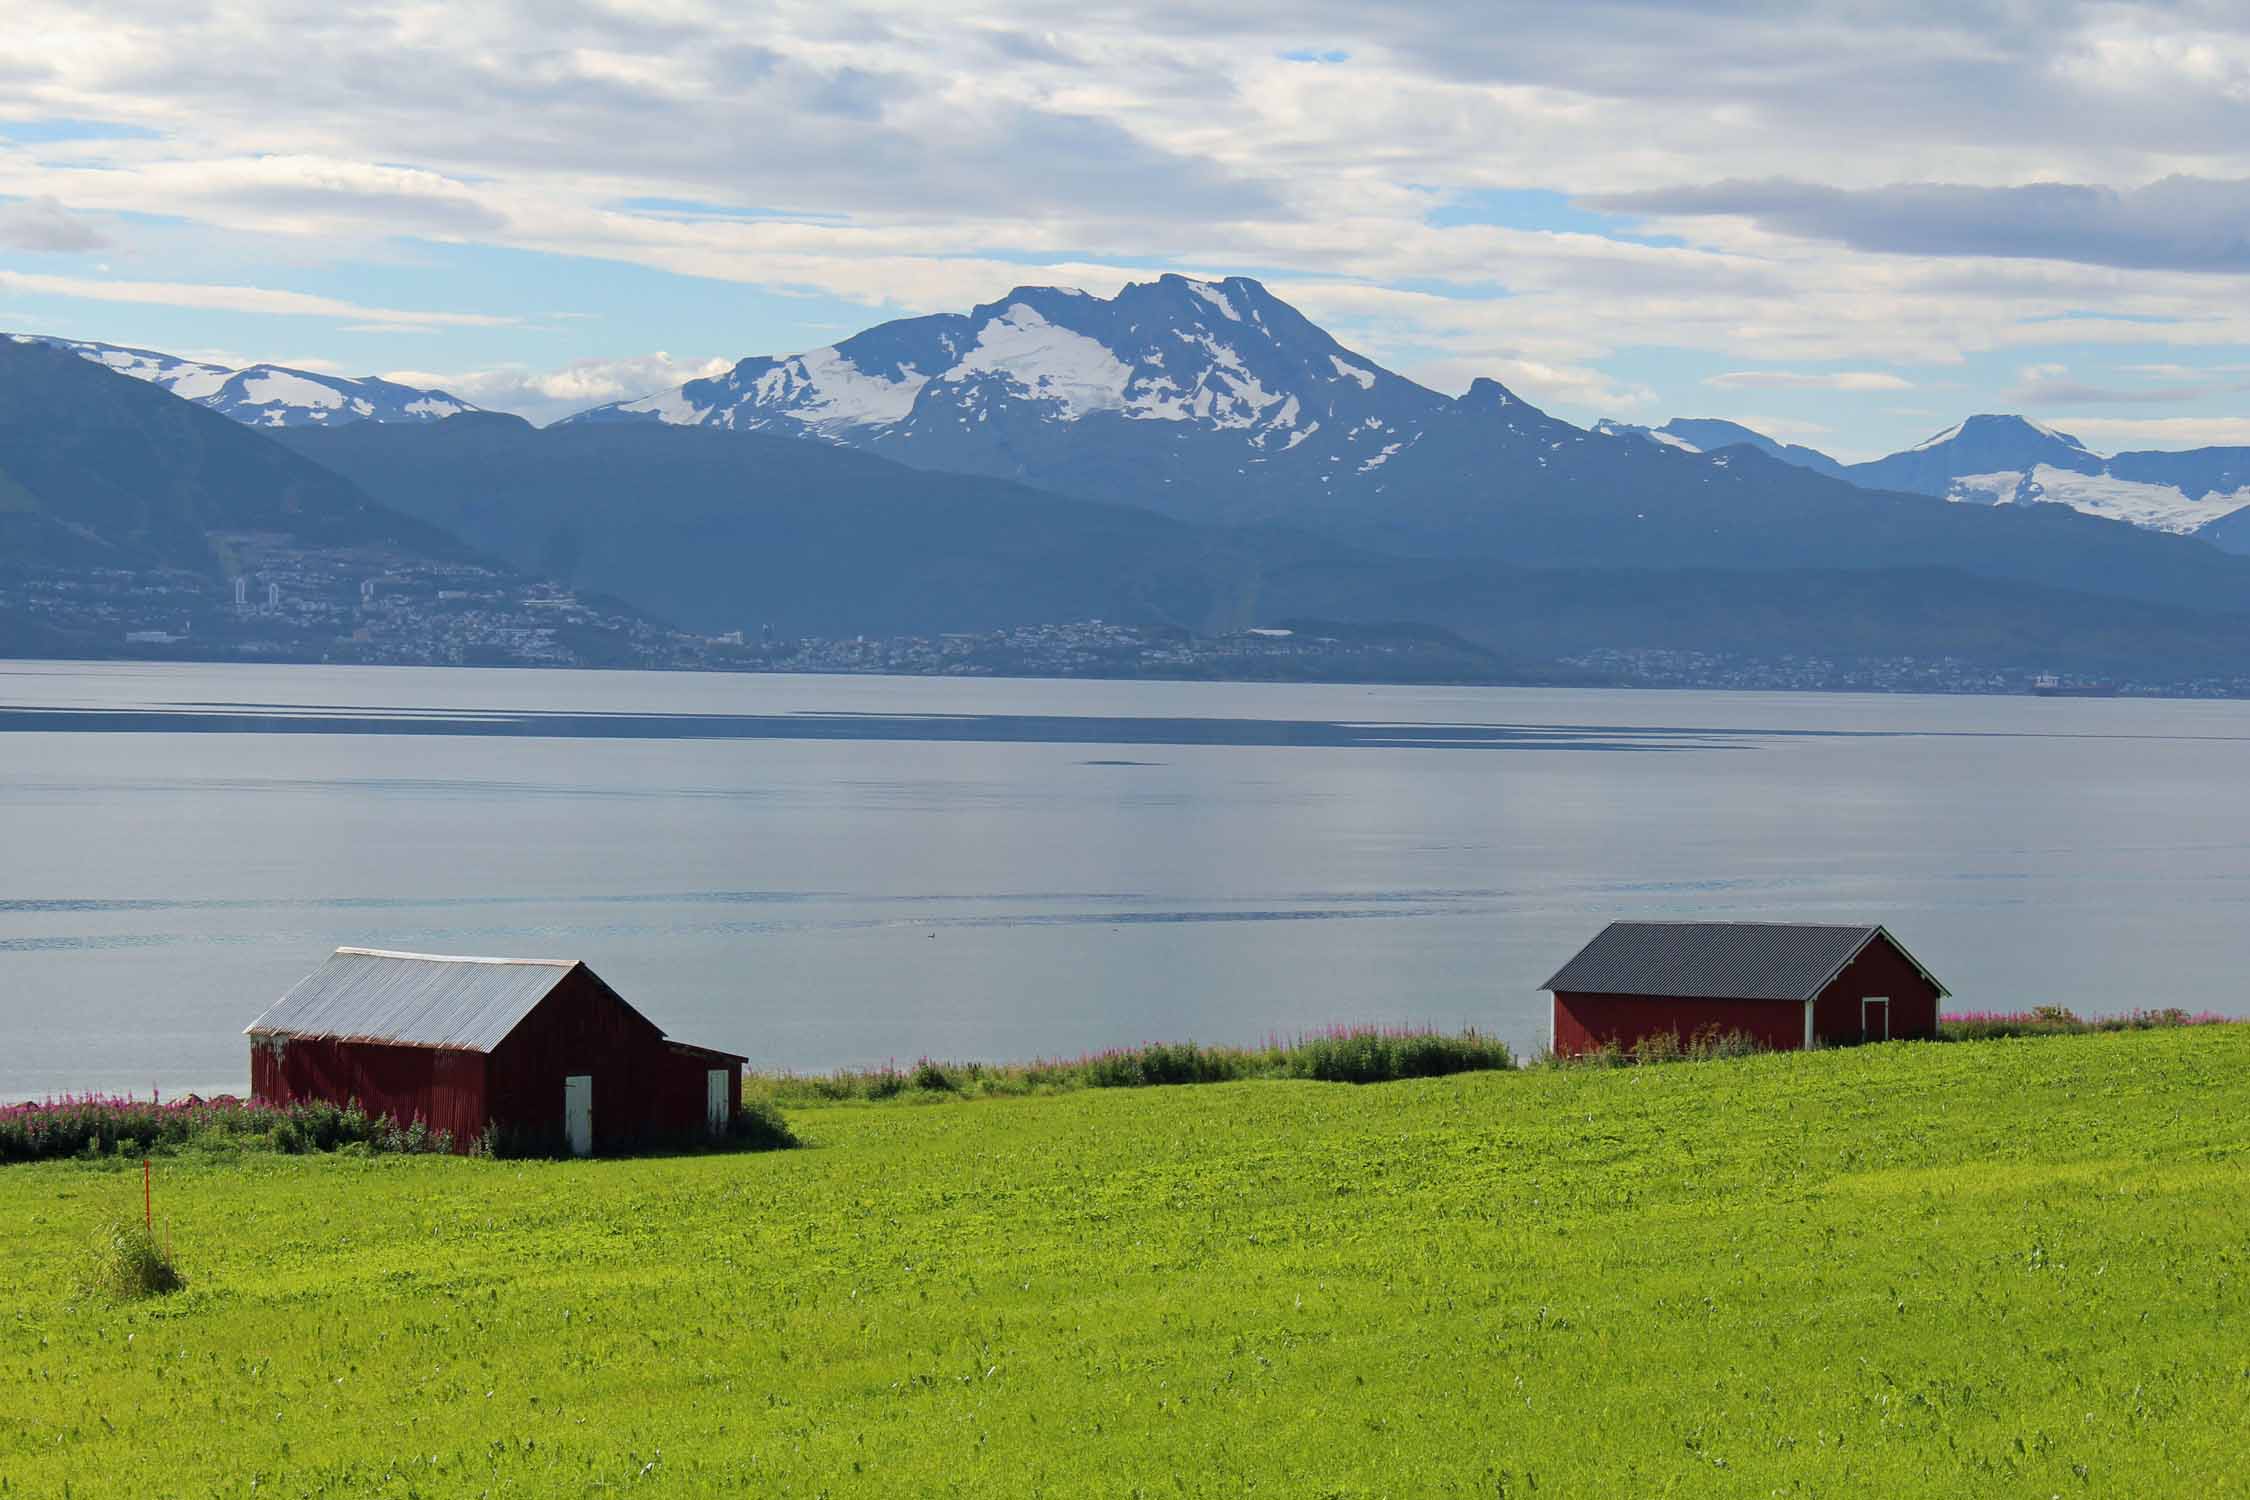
(538, 1049)
(1785, 984)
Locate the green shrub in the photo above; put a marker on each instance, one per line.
(1160, 1063)
(928, 1075)
(1344, 1054)
(758, 1125)
(1370, 1054)
(98, 1127)
(126, 1263)
(2057, 1020)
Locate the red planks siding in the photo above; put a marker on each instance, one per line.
(1880, 969)
(583, 1028)
(1586, 1023)
(442, 1088)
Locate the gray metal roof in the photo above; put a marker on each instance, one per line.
(413, 999)
(1719, 960)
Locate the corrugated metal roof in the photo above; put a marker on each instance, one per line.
(413, 999)
(1715, 960)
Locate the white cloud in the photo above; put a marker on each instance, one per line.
(1792, 428)
(2116, 434)
(544, 395)
(1799, 380)
(907, 158)
(44, 224)
(244, 299)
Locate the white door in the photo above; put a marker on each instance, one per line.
(717, 1108)
(578, 1114)
(1875, 1019)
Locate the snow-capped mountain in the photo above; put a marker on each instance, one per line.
(1709, 434)
(2013, 460)
(1218, 401)
(269, 395)
(1982, 445)
(1171, 385)
(1221, 356)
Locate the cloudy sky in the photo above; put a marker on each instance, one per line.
(1846, 223)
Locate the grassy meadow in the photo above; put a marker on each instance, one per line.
(2017, 1267)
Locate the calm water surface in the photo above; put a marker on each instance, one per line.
(822, 870)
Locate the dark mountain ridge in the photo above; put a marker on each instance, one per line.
(722, 531)
(97, 469)
(726, 530)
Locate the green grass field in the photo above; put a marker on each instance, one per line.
(2001, 1268)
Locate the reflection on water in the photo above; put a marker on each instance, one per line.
(841, 870)
(1037, 729)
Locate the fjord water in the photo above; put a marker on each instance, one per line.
(842, 870)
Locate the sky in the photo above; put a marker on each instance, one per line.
(1845, 224)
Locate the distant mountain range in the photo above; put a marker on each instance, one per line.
(1219, 401)
(270, 395)
(1189, 453)
(1710, 434)
(2013, 460)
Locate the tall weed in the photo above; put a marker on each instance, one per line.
(126, 1263)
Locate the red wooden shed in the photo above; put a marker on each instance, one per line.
(1785, 984)
(538, 1049)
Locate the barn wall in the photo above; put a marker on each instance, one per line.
(642, 1093)
(1880, 969)
(1585, 1023)
(444, 1089)
(694, 1064)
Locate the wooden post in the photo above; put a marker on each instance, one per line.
(148, 1201)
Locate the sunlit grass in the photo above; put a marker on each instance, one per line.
(1915, 1269)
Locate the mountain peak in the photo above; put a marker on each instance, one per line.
(1486, 392)
(1992, 454)
(1999, 427)
(1710, 434)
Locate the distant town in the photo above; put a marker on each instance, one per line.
(285, 602)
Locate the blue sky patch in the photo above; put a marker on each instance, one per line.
(49, 132)
(691, 208)
(1538, 209)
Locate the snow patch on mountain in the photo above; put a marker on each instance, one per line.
(2000, 488)
(670, 406)
(1048, 363)
(269, 387)
(269, 395)
(1217, 297)
(840, 392)
(2155, 507)
(2045, 431)
(1350, 371)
